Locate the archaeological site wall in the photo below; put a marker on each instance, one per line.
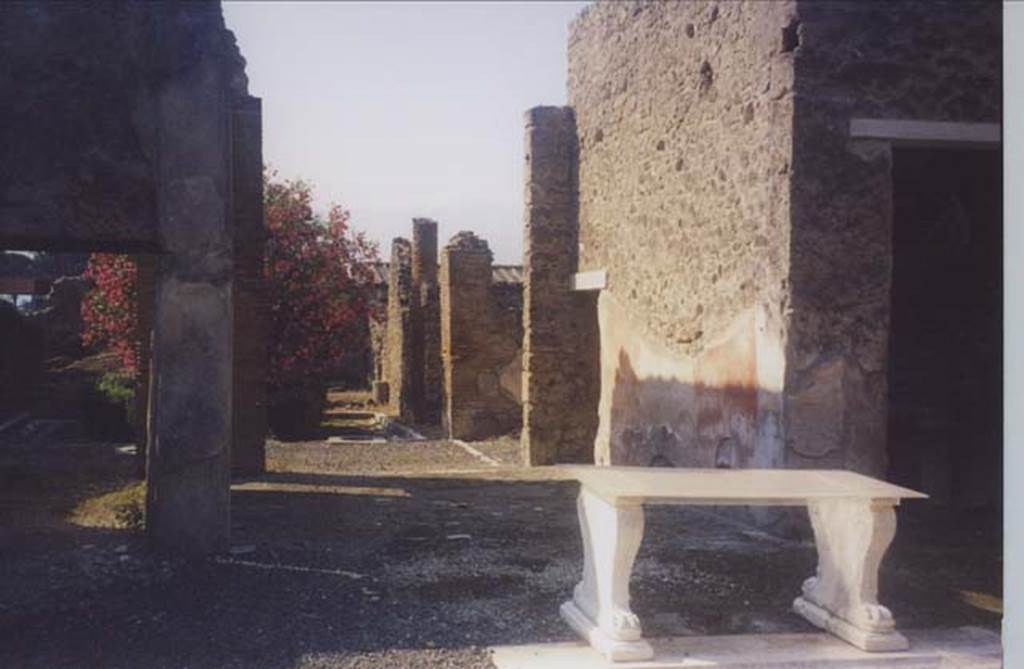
(926, 61)
(480, 344)
(747, 233)
(450, 341)
(427, 384)
(560, 349)
(133, 150)
(399, 342)
(683, 114)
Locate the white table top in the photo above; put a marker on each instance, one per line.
(755, 487)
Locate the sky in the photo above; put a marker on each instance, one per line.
(401, 110)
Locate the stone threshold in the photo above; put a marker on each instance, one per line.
(959, 648)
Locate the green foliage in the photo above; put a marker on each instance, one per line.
(119, 389)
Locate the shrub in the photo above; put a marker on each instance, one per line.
(109, 318)
(318, 274)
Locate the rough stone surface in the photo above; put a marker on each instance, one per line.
(399, 338)
(117, 138)
(80, 141)
(684, 143)
(560, 349)
(479, 341)
(684, 126)
(714, 146)
(377, 324)
(427, 385)
(407, 342)
(907, 60)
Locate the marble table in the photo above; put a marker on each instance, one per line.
(853, 517)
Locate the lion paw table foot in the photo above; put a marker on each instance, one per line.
(615, 650)
(863, 639)
(852, 536)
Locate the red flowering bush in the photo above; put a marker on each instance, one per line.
(108, 310)
(318, 278)
(318, 281)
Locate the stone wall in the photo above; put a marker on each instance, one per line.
(399, 342)
(507, 307)
(377, 328)
(747, 239)
(428, 381)
(934, 61)
(479, 344)
(683, 112)
(560, 352)
(425, 389)
(84, 137)
(130, 151)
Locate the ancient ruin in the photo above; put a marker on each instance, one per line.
(448, 351)
(171, 166)
(758, 236)
(758, 311)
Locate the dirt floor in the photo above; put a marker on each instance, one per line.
(411, 554)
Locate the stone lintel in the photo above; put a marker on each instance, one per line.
(927, 133)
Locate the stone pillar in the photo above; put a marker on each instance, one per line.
(248, 448)
(188, 478)
(466, 322)
(560, 365)
(427, 376)
(145, 296)
(399, 341)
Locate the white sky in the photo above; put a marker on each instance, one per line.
(397, 110)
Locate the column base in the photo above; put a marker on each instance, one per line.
(863, 639)
(613, 649)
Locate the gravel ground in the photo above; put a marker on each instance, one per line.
(418, 554)
(506, 450)
(370, 457)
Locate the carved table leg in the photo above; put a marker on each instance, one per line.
(852, 537)
(599, 609)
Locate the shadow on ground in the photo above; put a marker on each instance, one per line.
(427, 570)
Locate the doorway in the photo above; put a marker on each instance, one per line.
(945, 346)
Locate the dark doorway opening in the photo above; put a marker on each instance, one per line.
(945, 346)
